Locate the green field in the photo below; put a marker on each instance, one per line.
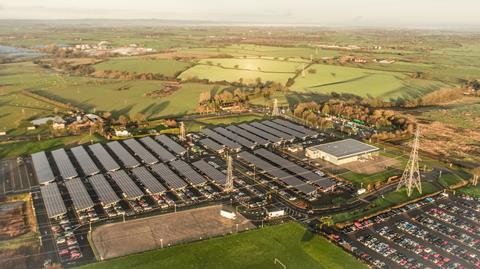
(291, 243)
(465, 115)
(165, 67)
(255, 64)
(363, 82)
(470, 190)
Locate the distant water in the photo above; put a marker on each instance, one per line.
(17, 52)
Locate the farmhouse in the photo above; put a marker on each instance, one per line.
(341, 152)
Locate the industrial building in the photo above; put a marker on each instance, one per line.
(341, 152)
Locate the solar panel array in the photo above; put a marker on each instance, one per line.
(126, 158)
(172, 145)
(211, 172)
(148, 180)
(167, 175)
(53, 200)
(104, 157)
(160, 151)
(103, 189)
(209, 143)
(235, 137)
(256, 131)
(221, 139)
(297, 127)
(126, 184)
(64, 165)
(80, 197)
(86, 163)
(140, 151)
(276, 172)
(187, 171)
(248, 135)
(42, 168)
(284, 129)
(296, 169)
(272, 131)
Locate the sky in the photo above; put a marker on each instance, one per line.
(389, 13)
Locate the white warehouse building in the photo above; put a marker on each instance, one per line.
(341, 152)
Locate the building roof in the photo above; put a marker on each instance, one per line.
(345, 148)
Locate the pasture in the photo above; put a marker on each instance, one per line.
(291, 243)
(363, 82)
(166, 67)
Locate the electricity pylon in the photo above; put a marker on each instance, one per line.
(411, 176)
(275, 110)
(229, 183)
(183, 135)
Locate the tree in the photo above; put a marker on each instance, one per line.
(326, 221)
(123, 120)
(325, 109)
(106, 115)
(139, 117)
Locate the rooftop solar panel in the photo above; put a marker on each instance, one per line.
(126, 158)
(235, 137)
(276, 172)
(42, 168)
(160, 151)
(53, 200)
(167, 175)
(346, 148)
(80, 197)
(86, 163)
(103, 189)
(210, 144)
(126, 184)
(64, 165)
(104, 157)
(211, 172)
(272, 131)
(172, 145)
(148, 180)
(256, 131)
(140, 151)
(221, 139)
(250, 136)
(297, 127)
(187, 171)
(284, 129)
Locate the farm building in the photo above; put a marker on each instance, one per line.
(341, 152)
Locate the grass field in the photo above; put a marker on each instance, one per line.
(465, 115)
(255, 64)
(291, 243)
(165, 67)
(363, 82)
(25, 148)
(473, 191)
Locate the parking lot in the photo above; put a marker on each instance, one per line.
(437, 232)
(16, 175)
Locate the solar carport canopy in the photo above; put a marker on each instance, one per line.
(172, 145)
(296, 127)
(80, 197)
(103, 189)
(53, 200)
(104, 157)
(250, 136)
(235, 137)
(285, 129)
(148, 180)
(276, 172)
(256, 131)
(86, 163)
(221, 139)
(64, 164)
(126, 184)
(187, 171)
(209, 143)
(272, 131)
(140, 151)
(211, 172)
(288, 165)
(126, 158)
(161, 152)
(42, 168)
(174, 181)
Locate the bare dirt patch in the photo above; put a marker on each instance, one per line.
(119, 239)
(371, 166)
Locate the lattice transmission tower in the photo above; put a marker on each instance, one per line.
(229, 183)
(183, 135)
(411, 176)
